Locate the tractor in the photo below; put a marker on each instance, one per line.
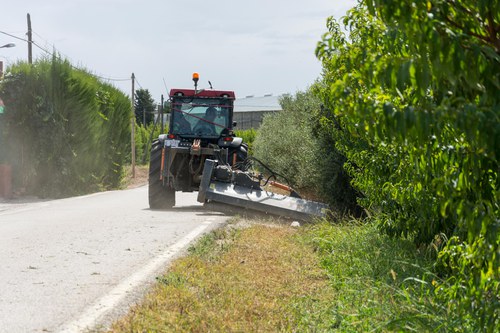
(201, 153)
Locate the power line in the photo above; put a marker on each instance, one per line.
(24, 40)
(52, 54)
(111, 79)
(41, 37)
(41, 48)
(138, 83)
(67, 57)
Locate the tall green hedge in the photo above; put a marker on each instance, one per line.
(414, 87)
(65, 131)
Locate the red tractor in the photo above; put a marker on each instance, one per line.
(201, 153)
(201, 127)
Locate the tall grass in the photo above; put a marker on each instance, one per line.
(388, 284)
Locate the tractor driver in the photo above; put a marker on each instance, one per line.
(206, 124)
(181, 125)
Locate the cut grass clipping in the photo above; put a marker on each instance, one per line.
(257, 279)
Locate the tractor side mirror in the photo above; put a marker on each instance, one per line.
(235, 124)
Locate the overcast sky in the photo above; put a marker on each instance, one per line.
(253, 47)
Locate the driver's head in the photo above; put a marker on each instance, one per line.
(211, 113)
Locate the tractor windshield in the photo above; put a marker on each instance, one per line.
(200, 117)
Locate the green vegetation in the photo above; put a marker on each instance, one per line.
(413, 104)
(408, 106)
(286, 143)
(387, 284)
(259, 279)
(144, 107)
(248, 137)
(377, 280)
(144, 135)
(67, 133)
(291, 144)
(320, 278)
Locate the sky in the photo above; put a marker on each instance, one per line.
(252, 47)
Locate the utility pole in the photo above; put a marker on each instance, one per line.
(132, 142)
(30, 41)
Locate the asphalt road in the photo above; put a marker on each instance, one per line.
(69, 265)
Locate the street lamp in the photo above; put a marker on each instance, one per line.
(1, 62)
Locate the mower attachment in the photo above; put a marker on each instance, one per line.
(249, 196)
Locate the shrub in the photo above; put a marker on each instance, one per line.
(248, 137)
(290, 144)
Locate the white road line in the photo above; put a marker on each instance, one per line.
(90, 317)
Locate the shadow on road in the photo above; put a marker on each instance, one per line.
(219, 209)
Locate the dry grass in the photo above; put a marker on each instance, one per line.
(258, 283)
(141, 176)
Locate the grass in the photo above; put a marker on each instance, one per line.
(255, 279)
(273, 278)
(373, 276)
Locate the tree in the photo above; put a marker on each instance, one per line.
(145, 107)
(414, 88)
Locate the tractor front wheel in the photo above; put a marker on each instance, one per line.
(161, 196)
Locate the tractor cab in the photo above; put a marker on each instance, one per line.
(204, 114)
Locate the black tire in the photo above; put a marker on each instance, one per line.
(160, 196)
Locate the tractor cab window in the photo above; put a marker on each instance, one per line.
(200, 117)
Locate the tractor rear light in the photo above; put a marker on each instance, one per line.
(228, 139)
(171, 136)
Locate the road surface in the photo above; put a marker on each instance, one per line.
(71, 264)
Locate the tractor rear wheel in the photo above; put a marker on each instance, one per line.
(160, 196)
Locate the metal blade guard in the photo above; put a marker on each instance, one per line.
(255, 198)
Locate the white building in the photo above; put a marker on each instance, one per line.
(249, 111)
